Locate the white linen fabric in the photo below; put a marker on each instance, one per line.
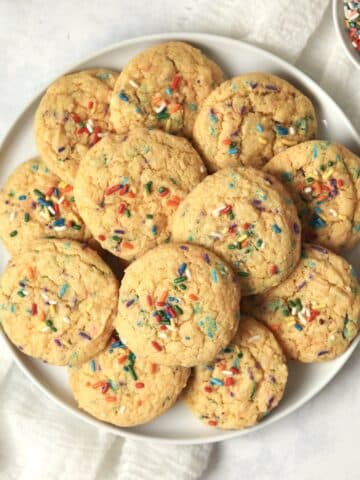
(39, 40)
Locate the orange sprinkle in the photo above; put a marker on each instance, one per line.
(138, 403)
(321, 197)
(156, 346)
(275, 327)
(122, 359)
(111, 399)
(42, 316)
(68, 188)
(131, 195)
(193, 297)
(174, 201)
(227, 141)
(316, 187)
(162, 298)
(66, 203)
(153, 367)
(128, 245)
(175, 108)
(101, 383)
(245, 243)
(31, 272)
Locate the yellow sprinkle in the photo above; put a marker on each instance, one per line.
(328, 173)
(288, 142)
(52, 310)
(319, 307)
(262, 140)
(290, 321)
(62, 185)
(242, 238)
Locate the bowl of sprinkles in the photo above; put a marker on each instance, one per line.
(346, 17)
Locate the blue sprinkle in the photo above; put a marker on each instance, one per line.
(298, 327)
(103, 75)
(314, 152)
(323, 352)
(182, 269)
(60, 222)
(56, 192)
(12, 308)
(227, 350)
(123, 96)
(44, 203)
(168, 91)
(63, 289)
(173, 299)
(213, 118)
(130, 302)
(192, 107)
(22, 198)
(61, 149)
(207, 258)
(154, 230)
(233, 151)
(286, 176)
(214, 277)
(216, 381)
(317, 222)
(183, 247)
(353, 272)
(34, 168)
(356, 227)
(280, 130)
(276, 228)
(259, 128)
(318, 210)
(117, 344)
(92, 365)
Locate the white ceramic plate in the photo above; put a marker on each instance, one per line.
(178, 425)
(339, 22)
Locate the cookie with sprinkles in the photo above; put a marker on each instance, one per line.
(163, 87)
(35, 203)
(245, 382)
(58, 301)
(250, 118)
(129, 187)
(314, 314)
(178, 305)
(247, 218)
(72, 117)
(317, 176)
(117, 387)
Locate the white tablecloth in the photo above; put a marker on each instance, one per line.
(41, 38)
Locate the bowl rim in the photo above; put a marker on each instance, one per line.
(338, 18)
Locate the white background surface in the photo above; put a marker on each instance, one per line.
(38, 40)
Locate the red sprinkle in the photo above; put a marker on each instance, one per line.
(175, 82)
(90, 104)
(124, 189)
(149, 300)
(50, 192)
(208, 389)
(105, 388)
(246, 226)
(122, 359)
(127, 245)
(156, 346)
(313, 315)
(75, 117)
(171, 312)
(82, 130)
(33, 309)
(162, 327)
(274, 269)
(225, 210)
(174, 201)
(164, 192)
(234, 370)
(97, 130)
(340, 183)
(139, 385)
(56, 208)
(69, 223)
(112, 189)
(122, 208)
(229, 381)
(101, 237)
(212, 423)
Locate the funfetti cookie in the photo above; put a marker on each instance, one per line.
(119, 388)
(72, 116)
(244, 383)
(58, 301)
(250, 118)
(321, 179)
(314, 314)
(163, 87)
(35, 203)
(247, 218)
(129, 187)
(178, 305)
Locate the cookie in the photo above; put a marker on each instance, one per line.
(163, 87)
(249, 119)
(178, 305)
(58, 302)
(72, 116)
(117, 387)
(34, 204)
(244, 383)
(129, 187)
(314, 314)
(316, 175)
(247, 218)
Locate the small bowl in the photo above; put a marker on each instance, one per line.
(339, 21)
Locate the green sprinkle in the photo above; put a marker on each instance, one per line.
(128, 213)
(13, 233)
(182, 286)
(26, 217)
(253, 392)
(231, 215)
(148, 187)
(116, 238)
(243, 274)
(180, 279)
(162, 115)
(38, 193)
(76, 227)
(132, 372)
(21, 294)
(149, 216)
(178, 309)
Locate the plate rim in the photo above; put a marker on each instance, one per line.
(18, 356)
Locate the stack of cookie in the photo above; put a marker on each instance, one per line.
(206, 189)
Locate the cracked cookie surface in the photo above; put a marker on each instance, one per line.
(250, 118)
(58, 302)
(35, 203)
(245, 382)
(247, 218)
(319, 176)
(163, 87)
(129, 187)
(314, 314)
(117, 387)
(72, 116)
(178, 305)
